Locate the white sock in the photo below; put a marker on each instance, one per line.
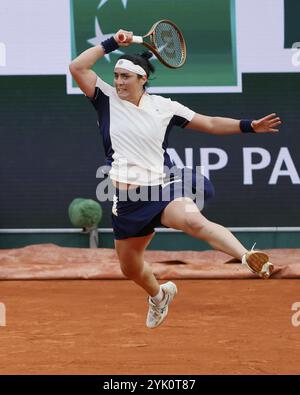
(159, 297)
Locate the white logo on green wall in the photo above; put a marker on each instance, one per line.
(208, 26)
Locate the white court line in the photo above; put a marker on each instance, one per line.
(158, 230)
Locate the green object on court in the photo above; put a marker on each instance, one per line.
(85, 213)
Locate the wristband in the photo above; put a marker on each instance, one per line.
(110, 45)
(245, 126)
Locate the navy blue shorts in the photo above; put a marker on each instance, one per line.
(136, 214)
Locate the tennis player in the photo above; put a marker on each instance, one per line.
(135, 127)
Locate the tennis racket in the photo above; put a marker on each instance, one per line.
(166, 42)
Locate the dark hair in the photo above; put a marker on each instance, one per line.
(143, 61)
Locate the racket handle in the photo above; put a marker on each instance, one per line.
(135, 39)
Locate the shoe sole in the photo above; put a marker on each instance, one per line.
(258, 262)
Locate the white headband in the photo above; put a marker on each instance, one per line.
(130, 66)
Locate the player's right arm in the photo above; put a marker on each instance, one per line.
(81, 67)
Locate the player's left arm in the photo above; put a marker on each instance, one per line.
(224, 126)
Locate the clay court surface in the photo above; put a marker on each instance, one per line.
(98, 327)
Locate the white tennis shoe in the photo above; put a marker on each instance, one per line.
(157, 313)
(258, 262)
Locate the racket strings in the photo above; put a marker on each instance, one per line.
(169, 44)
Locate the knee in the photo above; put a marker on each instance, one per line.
(195, 223)
(130, 268)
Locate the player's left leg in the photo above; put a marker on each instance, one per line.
(183, 214)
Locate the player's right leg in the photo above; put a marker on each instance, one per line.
(131, 256)
(130, 252)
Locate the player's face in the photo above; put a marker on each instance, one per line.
(128, 85)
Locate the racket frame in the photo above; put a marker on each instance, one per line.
(152, 45)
